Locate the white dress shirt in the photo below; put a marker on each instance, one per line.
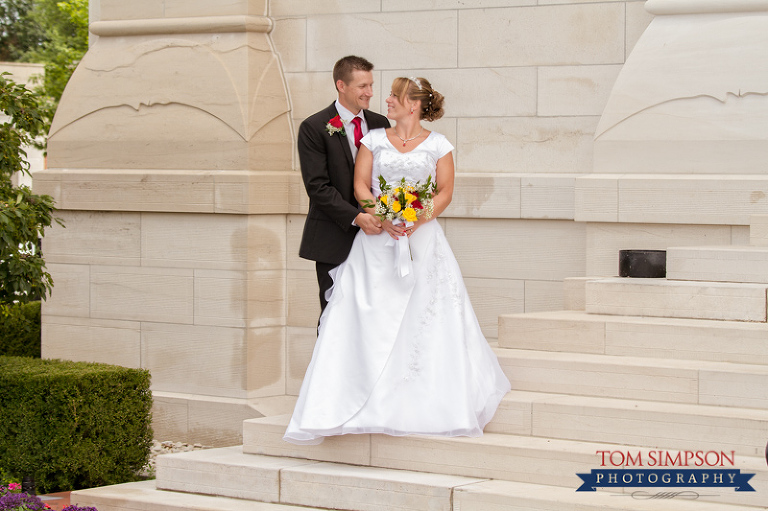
(349, 128)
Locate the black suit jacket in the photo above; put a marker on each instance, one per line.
(328, 172)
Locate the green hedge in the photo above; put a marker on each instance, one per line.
(20, 330)
(73, 425)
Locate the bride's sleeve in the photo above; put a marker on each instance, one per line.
(443, 147)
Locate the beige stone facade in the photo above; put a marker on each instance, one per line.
(172, 158)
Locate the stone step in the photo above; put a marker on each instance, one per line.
(483, 495)
(677, 299)
(718, 264)
(648, 379)
(229, 472)
(632, 423)
(521, 459)
(634, 336)
(144, 496)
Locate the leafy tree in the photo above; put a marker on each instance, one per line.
(23, 215)
(18, 33)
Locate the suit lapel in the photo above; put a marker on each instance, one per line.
(342, 139)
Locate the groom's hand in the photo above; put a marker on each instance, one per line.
(368, 223)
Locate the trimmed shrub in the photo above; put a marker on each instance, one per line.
(20, 330)
(73, 425)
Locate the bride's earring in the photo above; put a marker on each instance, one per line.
(411, 110)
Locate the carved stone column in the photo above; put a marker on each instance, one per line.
(170, 159)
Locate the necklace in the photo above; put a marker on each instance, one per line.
(406, 140)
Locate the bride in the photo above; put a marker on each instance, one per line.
(399, 349)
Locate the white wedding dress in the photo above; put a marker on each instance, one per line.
(399, 354)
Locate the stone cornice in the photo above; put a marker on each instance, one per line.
(667, 7)
(201, 25)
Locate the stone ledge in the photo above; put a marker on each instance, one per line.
(670, 199)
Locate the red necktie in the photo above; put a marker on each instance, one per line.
(358, 131)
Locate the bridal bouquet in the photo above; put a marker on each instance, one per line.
(405, 201)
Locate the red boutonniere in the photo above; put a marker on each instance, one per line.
(335, 125)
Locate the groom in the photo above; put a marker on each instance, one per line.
(328, 144)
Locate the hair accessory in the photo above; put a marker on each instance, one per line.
(416, 81)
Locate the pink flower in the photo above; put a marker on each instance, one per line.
(14, 486)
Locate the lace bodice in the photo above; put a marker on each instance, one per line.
(415, 165)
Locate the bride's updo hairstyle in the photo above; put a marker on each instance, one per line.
(419, 89)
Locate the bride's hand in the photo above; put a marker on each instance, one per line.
(393, 230)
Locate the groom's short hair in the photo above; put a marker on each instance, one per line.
(345, 66)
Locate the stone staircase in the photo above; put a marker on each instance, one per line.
(636, 365)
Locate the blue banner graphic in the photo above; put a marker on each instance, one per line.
(667, 478)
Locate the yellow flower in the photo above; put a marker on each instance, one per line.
(383, 199)
(396, 206)
(409, 197)
(409, 214)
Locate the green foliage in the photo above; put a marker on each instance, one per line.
(73, 425)
(18, 33)
(62, 42)
(23, 215)
(20, 330)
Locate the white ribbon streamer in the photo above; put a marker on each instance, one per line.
(403, 259)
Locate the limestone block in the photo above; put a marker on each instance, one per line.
(94, 238)
(91, 340)
(604, 240)
(303, 304)
(542, 295)
(513, 416)
(564, 331)
(145, 497)
(310, 92)
(600, 375)
(304, 7)
(740, 235)
(142, 294)
(239, 299)
(259, 193)
(128, 190)
(537, 460)
(565, 35)
(485, 196)
(429, 39)
(548, 196)
(221, 242)
(265, 436)
(737, 387)
(367, 488)
(301, 344)
(638, 19)
(491, 297)
(225, 472)
(690, 97)
(196, 359)
(677, 299)
(574, 289)
(290, 39)
(295, 228)
(218, 421)
(719, 264)
(688, 340)
(696, 200)
(518, 249)
(663, 425)
(575, 90)
(507, 91)
(170, 416)
(758, 230)
(115, 9)
(596, 198)
(265, 362)
(71, 294)
(236, 117)
(406, 5)
(525, 144)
